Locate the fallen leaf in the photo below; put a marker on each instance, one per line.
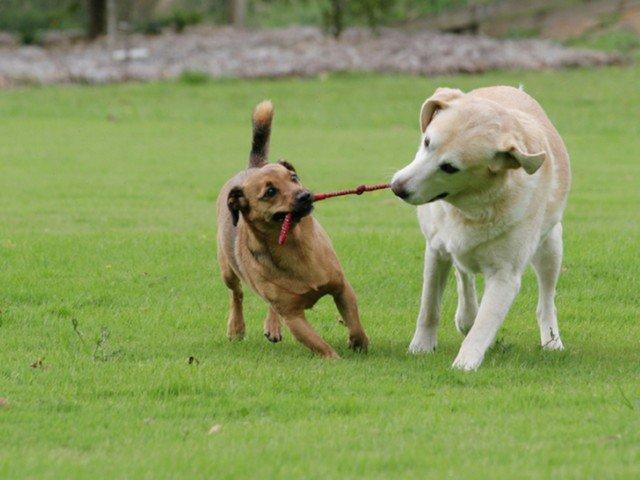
(215, 429)
(38, 363)
(4, 403)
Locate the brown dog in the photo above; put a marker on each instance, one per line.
(292, 277)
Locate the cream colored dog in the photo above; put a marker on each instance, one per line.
(501, 173)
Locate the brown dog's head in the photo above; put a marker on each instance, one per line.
(267, 195)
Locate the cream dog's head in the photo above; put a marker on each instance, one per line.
(467, 144)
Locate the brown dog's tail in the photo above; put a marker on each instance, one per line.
(262, 117)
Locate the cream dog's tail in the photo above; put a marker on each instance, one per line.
(262, 117)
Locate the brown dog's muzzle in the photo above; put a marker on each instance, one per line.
(303, 204)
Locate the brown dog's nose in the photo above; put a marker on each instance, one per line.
(303, 197)
(399, 190)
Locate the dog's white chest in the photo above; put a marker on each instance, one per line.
(452, 238)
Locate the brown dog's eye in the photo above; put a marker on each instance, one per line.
(427, 141)
(270, 192)
(295, 178)
(448, 168)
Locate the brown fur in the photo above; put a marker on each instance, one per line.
(291, 277)
(262, 118)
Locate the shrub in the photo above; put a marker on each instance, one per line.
(153, 27)
(180, 19)
(337, 13)
(193, 77)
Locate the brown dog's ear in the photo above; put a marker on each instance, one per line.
(523, 145)
(441, 98)
(237, 203)
(287, 165)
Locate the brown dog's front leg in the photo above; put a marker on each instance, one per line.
(347, 305)
(272, 326)
(305, 334)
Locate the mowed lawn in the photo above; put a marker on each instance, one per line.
(109, 286)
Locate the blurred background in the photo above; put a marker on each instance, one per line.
(113, 357)
(97, 41)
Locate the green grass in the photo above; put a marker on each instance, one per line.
(282, 13)
(621, 41)
(107, 223)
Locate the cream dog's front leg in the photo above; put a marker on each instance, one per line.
(500, 291)
(436, 270)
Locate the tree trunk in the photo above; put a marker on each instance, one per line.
(112, 23)
(238, 12)
(97, 17)
(336, 17)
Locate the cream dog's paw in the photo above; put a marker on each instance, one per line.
(467, 360)
(422, 343)
(553, 344)
(464, 322)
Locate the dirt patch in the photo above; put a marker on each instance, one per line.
(295, 51)
(551, 19)
(631, 20)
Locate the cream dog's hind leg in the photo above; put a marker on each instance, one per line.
(546, 263)
(436, 270)
(467, 301)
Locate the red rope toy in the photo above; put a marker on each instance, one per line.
(286, 224)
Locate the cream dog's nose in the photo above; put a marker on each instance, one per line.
(399, 189)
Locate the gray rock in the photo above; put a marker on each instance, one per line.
(293, 51)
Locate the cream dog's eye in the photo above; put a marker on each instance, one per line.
(270, 192)
(427, 141)
(448, 168)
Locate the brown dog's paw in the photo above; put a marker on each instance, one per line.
(359, 343)
(331, 355)
(274, 337)
(235, 332)
(235, 337)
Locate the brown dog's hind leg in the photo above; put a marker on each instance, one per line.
(347, 305)
(235, 323)
(305, 334)
(272, 326)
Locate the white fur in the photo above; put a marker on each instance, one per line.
(495, 227)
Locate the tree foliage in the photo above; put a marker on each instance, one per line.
(336, 14)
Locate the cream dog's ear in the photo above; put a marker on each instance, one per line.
(522, 145)
(441, 98)
(515, 157)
